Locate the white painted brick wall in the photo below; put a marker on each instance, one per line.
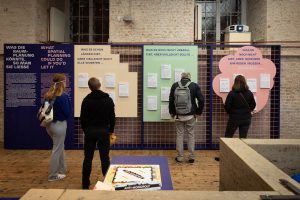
(153, 21)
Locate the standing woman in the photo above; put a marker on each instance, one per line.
(239, 104)
(58, 127)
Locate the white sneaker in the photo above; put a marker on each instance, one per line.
(57, 177)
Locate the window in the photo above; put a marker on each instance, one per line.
(89, 21)
(229, 12)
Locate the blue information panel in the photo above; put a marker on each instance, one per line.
(28, 71)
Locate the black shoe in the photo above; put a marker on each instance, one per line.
(217, 159)
(179, 161)
(191, 160)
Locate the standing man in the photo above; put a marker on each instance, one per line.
(183, 107)
(97, 119)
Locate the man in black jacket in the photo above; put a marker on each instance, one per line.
(97, 119)
(185, 120)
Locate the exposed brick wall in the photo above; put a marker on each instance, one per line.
(283, 20)
(21, 21)
(290, 97)
(153, 21)
(283, 24)
(257, 19)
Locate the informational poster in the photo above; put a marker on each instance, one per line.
(252, 84)
(165, 93)
(152, 80)
(83, 79)
(168, 62)
(152, 102)
(259, 73)
(224, 85)
(166, 71)
(164, 112)
(28, 72)
(110, 80)
(123, 89)
(265, 81)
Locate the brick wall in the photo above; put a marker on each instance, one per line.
(284, 25)
(153, 21)
(257, 19)
(290, 97)
(283, 20)
(21, 21)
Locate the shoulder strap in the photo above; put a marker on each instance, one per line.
(244, 100)
(179, 84)
(187, 84)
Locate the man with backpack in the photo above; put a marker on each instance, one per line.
(184, 108)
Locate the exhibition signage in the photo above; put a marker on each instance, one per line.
(163, 66)
(28, 71)
(117, 80)
(258, 71)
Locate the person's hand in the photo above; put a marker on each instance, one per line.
(112, 138)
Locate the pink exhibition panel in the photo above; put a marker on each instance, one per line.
(258, 71)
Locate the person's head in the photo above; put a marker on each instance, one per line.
(186, 75)
(240, 83)
(58, 86)
(94, 84)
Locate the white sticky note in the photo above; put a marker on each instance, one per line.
(123, 89)
(166, 71)
(83, 79)
(164, 112)
(152, 80)
(252, 83)
(109, 80)
(152, 103)
(165, 93)
(265, 81)
(224, 85)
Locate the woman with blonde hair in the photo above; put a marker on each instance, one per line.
(239, 104)
(58, 127)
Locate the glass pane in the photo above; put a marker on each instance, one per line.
(84, 25)
(84, 8)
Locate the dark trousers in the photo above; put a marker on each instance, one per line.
(233, 124)
(100, 137)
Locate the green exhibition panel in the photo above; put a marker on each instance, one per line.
(163, 65)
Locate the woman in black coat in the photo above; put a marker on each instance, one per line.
(239, 104)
